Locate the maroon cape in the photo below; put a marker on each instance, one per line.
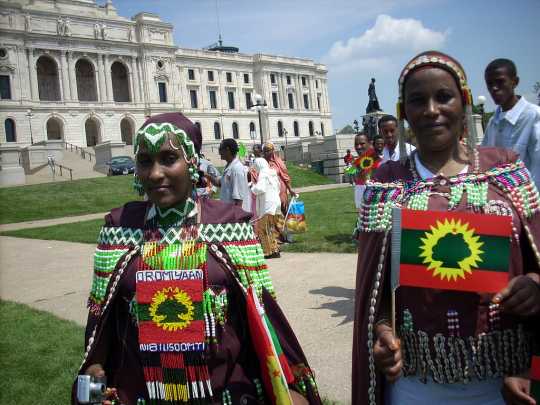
(232, 362)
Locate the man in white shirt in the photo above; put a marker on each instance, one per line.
(516, 122)
(233, 183)
(388, 128)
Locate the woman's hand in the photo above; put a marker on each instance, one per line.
(516, 391)
(387, 352)
(521, 297)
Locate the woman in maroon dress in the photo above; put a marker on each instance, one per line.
(167, 321)
(448, 347)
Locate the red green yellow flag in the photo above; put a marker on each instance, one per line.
(535, 376)
(450, 250)
(275, 370)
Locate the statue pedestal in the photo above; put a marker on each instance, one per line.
(370, 122)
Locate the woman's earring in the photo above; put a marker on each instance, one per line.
(137, 185)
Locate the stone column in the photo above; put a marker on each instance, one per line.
(131, 86)
(282, 92)
(72, 76)
(108, 78)
(33, 74)
(101, 81)
(299, 96)
(66, 93)
(135, 78)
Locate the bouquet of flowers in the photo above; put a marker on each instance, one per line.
(364, 165)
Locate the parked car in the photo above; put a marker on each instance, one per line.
(121, 165)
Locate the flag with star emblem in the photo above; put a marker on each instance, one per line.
(450, 250)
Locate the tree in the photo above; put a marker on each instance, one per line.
(347, 129)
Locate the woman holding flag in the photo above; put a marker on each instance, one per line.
(182, 308)
(451, 249)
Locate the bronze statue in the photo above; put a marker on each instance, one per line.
(373, 104)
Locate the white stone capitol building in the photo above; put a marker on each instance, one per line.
(75, 70)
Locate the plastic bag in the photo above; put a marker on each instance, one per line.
(295, 221)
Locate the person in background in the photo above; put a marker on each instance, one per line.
(378, 145)
(516, 122)
(268, 204)
(348, 159)
(233, 183)
(361, 146)
(275, 162)
(388, 129)
(204, 188)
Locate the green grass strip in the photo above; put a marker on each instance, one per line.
(39, 356)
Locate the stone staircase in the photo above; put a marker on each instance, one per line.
(82, 169)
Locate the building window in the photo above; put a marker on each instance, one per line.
(280, 129)
(288, 79)
(249, 103)
(5, 88)
(275, 103)
(229, 77)
(217, 131)
(193, 96)
(235, 130)
(191, 74)
(162, 92)
(230, 95)
(48, 79)
(306, 101)
(246, 78)
(9, 126)
(319, 102)
(213, 99)
(252, 132)
(322, 129)
(291, 101)
(296, 128)
(86, 80)
(120, 82)
(304, 81)
(210, 75)
(272, 78)
(311, 130)
(316, 84)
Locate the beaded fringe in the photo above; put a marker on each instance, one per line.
(457, 359)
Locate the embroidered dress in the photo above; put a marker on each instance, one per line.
(167, 319)
(447, 337)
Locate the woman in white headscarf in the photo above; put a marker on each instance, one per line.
(268, 205)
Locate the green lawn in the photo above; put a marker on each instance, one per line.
(330, 215)
(87, 196)
(39, 355)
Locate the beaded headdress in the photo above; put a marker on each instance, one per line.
(452, 66)
(172, 126)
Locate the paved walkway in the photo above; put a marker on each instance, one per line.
(88, 217)
(315, 291)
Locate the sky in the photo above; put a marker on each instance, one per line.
(361, 39)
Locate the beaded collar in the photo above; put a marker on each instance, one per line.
(173, 216)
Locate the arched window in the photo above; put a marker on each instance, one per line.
(86, 80)
(280, 129)
(252, 132)
(235, 130)
(48, 81)
(311, 130)
(217, 130)
(55, 129)
(9, 126)
(126, 130)
(322, 129)
(120, 83)
(91, 127)
(296, 129)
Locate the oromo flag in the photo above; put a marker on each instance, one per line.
(450, 250)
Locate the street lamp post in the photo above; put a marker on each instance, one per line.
(481, 101)
(29, 114)
(259, 106)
